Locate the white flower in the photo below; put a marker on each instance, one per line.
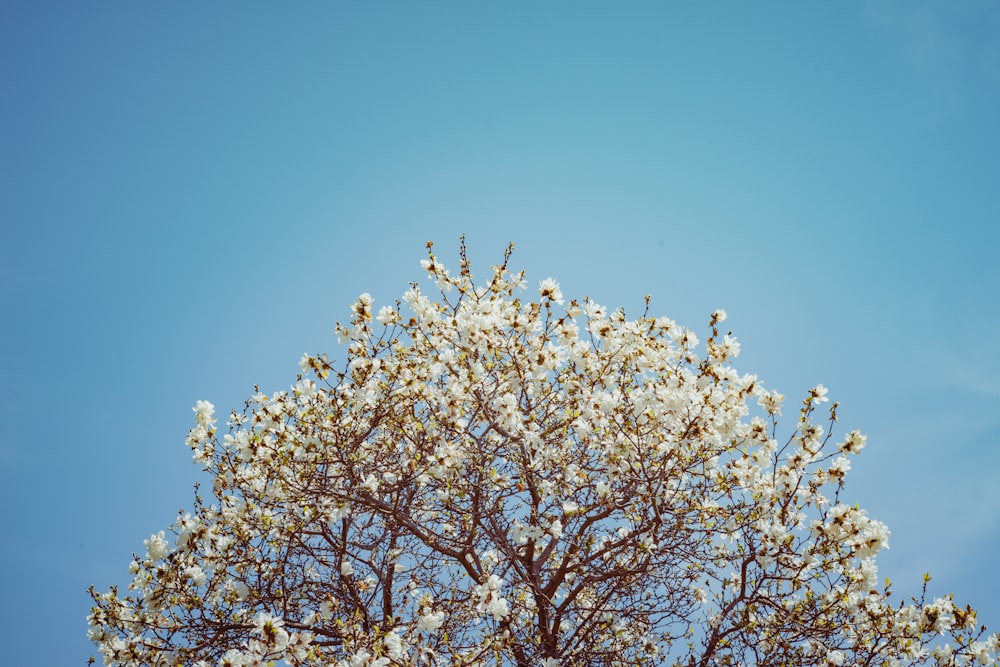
(346, 568)
(854, 443)
(943, 654)
(363, 307)
(271, 629)
(771, 402)
(430, 620)
(731, 346)
(490, 600)
(156, 547)
(438, 272)
(304, 388)
(232, 657)
(594, 311)
(364, 659)
(195, 574)
(522, 534)
(203, 413)
(549, 289)
(835, 658)
(980, 652)
(387, 315)
(394, 646)
(241, 589)
(840, 467)
(498, 608)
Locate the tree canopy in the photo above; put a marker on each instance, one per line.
(496, 476)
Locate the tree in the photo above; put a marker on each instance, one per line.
(490, 479)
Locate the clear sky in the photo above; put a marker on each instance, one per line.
(191, 194)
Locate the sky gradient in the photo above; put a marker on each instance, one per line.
(191, 195)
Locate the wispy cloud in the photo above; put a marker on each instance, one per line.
(949, 45)
(924, 39)
(975, 377)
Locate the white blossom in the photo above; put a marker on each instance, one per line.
(490, 600)
(491, 475)
(549, 291)
(156, 546)
(430, 620)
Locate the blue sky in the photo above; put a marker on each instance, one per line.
(191, 195)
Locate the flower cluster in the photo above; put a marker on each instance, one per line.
(489, 478)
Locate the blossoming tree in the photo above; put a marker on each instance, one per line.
(495, 479)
